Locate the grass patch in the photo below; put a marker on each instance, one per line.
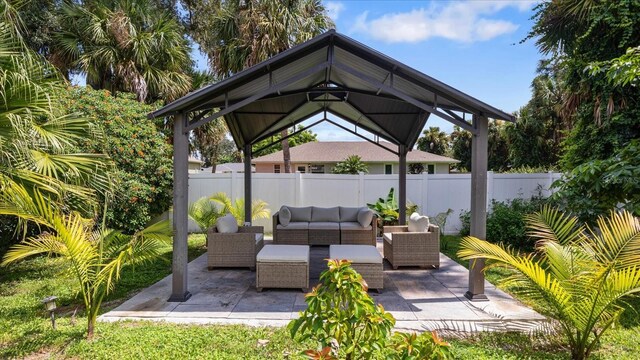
(25, 329)
(148, 340)
(24, 324)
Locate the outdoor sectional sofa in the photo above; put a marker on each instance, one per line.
(313, 225)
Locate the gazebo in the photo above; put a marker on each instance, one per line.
(329, 74)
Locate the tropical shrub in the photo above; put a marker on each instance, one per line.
(143, 178)
(388, 209)
(441, 220)
(96, 256)
(506, 222)
(582, 275)
(259, 208)
(592, 188)
(351, 165)
(342, 316)
(346, 323)
(409, 346)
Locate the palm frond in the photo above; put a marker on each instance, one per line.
(617, 239)
(204, 212)
(549, 224)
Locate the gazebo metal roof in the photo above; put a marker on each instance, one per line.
(335, 74)
(330, 74)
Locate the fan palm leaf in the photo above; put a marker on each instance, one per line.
(38, 140)
(117, 44)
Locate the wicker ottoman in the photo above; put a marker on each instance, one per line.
(283, 266)
(365, 259)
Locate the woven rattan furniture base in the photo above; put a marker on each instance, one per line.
(357, 237)
(365, 259)
(324, 237)
(280, 269)
(291, 237)
(371, 273)
(234, 249)
(412, 248)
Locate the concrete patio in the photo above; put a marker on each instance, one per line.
(419, 300)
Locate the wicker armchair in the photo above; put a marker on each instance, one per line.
(403, 248)
(234, 249)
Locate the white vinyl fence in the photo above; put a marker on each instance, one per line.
(432, 193)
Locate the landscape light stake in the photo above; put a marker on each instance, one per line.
(50, 305)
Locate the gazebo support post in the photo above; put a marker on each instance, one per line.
(402, 179)
(179, 292)
(479, 156)
(247, 183)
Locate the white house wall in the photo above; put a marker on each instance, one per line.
(432, 193)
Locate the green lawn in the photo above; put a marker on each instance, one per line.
(25, 330)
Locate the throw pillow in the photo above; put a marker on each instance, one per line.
(365, 216)
(227, 224)
(284, 216)
(418, 223)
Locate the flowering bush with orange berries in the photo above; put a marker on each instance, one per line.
(143, 177)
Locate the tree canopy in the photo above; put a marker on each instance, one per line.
(125, 45)
(434, 141)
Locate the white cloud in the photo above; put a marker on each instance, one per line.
(334, 8)
(467, 21)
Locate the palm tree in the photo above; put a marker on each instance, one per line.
(96, 257)
(351, 165)
(581, 274)
(37, 139)
(259, 208)
(241, 33)
(208, 139)
(434, 141)
(125, 45)
(204, 212)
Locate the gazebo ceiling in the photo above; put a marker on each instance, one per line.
(335, 74)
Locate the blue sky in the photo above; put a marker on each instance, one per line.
(473, 46)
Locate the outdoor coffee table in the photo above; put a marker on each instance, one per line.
(283, 266)
(365, 259)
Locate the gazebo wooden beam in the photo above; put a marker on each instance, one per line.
(479, 157)
(180, 259)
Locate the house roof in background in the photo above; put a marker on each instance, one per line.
(194, 160)
(336, 151)
(230, 167)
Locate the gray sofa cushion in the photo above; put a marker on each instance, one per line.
(365, 216)
(300, 213)
(323, 225)
(319, 214)
(349, 213)
(353, 225)
(298, 225)
(284, 216)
